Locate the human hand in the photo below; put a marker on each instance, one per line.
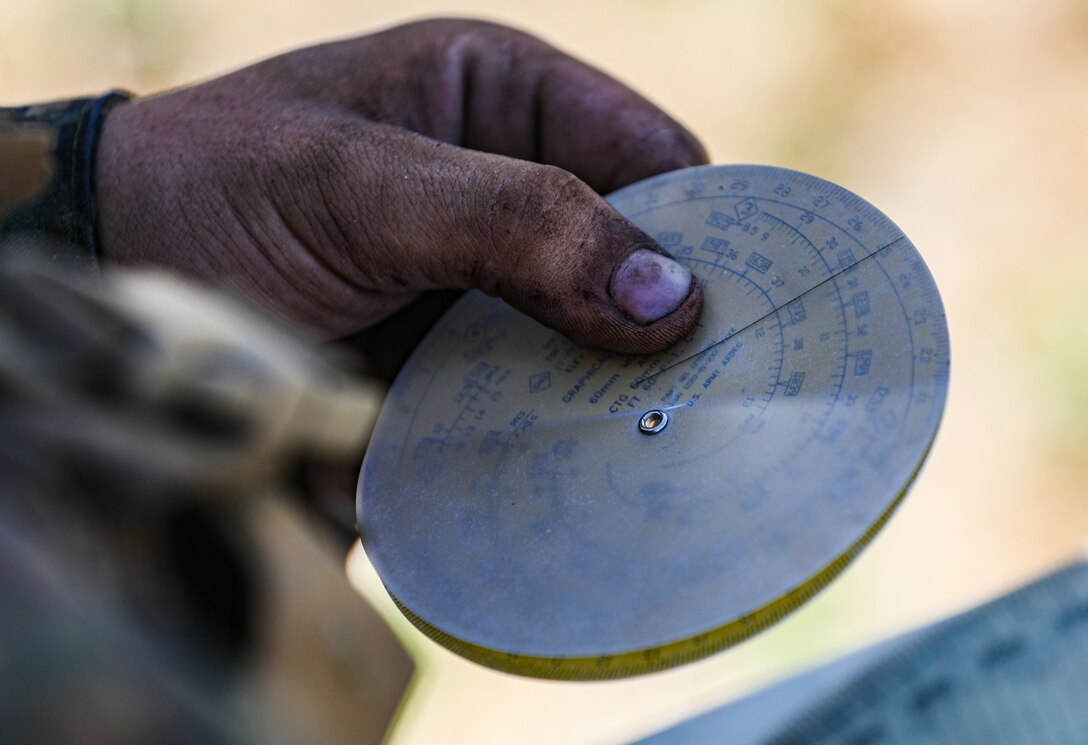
(335, 184)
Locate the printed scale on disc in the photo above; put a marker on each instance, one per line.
(561, 512)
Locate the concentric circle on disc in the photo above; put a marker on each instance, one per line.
(520, 515)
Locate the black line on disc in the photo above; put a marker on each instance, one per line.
(776, 309)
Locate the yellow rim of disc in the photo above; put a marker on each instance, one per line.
(654, 659)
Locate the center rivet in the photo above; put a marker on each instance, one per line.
(653, 421)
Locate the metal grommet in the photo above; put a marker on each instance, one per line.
(653, 421)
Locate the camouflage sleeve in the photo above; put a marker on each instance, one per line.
(58, 224)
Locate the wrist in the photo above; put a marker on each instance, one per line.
(65, 212)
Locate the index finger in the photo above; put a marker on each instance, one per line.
(495, 89)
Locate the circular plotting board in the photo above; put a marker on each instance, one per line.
(561, 512)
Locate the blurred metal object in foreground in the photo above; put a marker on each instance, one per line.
(160, 578)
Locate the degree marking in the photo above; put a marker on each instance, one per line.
(816, 286)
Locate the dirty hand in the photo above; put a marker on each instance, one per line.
(335, 184)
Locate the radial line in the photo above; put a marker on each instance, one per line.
(777, 308)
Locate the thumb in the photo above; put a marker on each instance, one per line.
(560, 253)
(534, 235)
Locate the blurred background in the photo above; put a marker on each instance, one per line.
(966, 121)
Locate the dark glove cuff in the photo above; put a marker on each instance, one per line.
(65, 211)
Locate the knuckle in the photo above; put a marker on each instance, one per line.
(473, 26)
(558, 185)
(482, 36)
(447, 31)
(535, 205)
(536, 197)
(538, 219)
